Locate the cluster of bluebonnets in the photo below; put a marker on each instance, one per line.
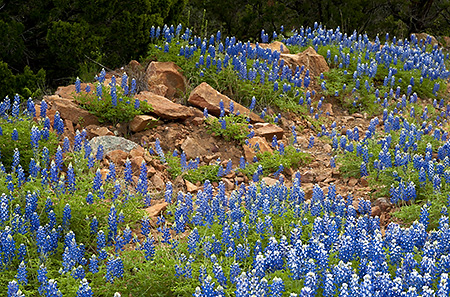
(259, 240)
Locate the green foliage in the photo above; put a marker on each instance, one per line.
(201, 174)
(27, 83)
(270, 162)
(105, 111)
(63, 36)
(236, 127)
(23, 126)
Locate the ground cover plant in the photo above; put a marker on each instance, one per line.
(67, 231)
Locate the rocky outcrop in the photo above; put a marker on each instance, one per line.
(70, 111)
(205, 96)
(111, 143)
(308, 58)
(142, 122)
(193, 148)
(255, 145)
(268, 131)
(165, 108)
(166, 74)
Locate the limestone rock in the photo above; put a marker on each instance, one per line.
(251, 150)
(142, 122)
(167, 74)
(206, 96)
(165, 108)
(111, 143)
(308, 58)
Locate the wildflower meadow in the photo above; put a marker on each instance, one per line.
(68, 230)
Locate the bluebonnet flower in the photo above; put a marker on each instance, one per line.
(13, 289)
(67, 216)
(159, 151)
(277, 287)
(14, 135)
(22, 274)
(112, 223)
(311, 142)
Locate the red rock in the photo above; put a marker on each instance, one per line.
(70, 111)
(136, 163)
(157, 209)
(167, 74)
(68, 92)
(165, 108)
(206, 96)
(118, 157)
(424, 37)
(352, 182)
(328, 109)
(269, 181)
(308, 58)
(142, 122)
(94, 130)
(376, 211)
(190, 187)
(137, 152)
(250, 150)
(268, 131)
(192, 148)
(229, 184)
(158, 181)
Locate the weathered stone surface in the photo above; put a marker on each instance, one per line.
(166, 73)
(156, 209)
(376, 211)
(268, 131)
(70, 111)
(94, 130)
(446, 41)
(206, 96)
(142, 122)
(251, 150)
(111, 143)
(274, 46)
(118, 157)
(190, 187)
(269, 181)
(68, 92)
(158, 181)
(308, 58)
(424, 37)
(165, 108)
(193, 148)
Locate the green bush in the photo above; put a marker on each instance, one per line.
(236, 127)
(123, 110)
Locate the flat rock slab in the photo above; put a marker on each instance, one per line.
(112, 143)
(70, 111)
(269, 131)
(165, 108)
(205, 96)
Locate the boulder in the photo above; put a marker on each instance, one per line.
(308, 58)
(94, 130)
(269, 131)
(206, 96)
(142, 122)
(446, 41)
(68, 92)
(166, 73)
(274, 46)
(70, 111)
(250, 149)
(192, 148)
(111, 143)
(165, 108)
(424, 37)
